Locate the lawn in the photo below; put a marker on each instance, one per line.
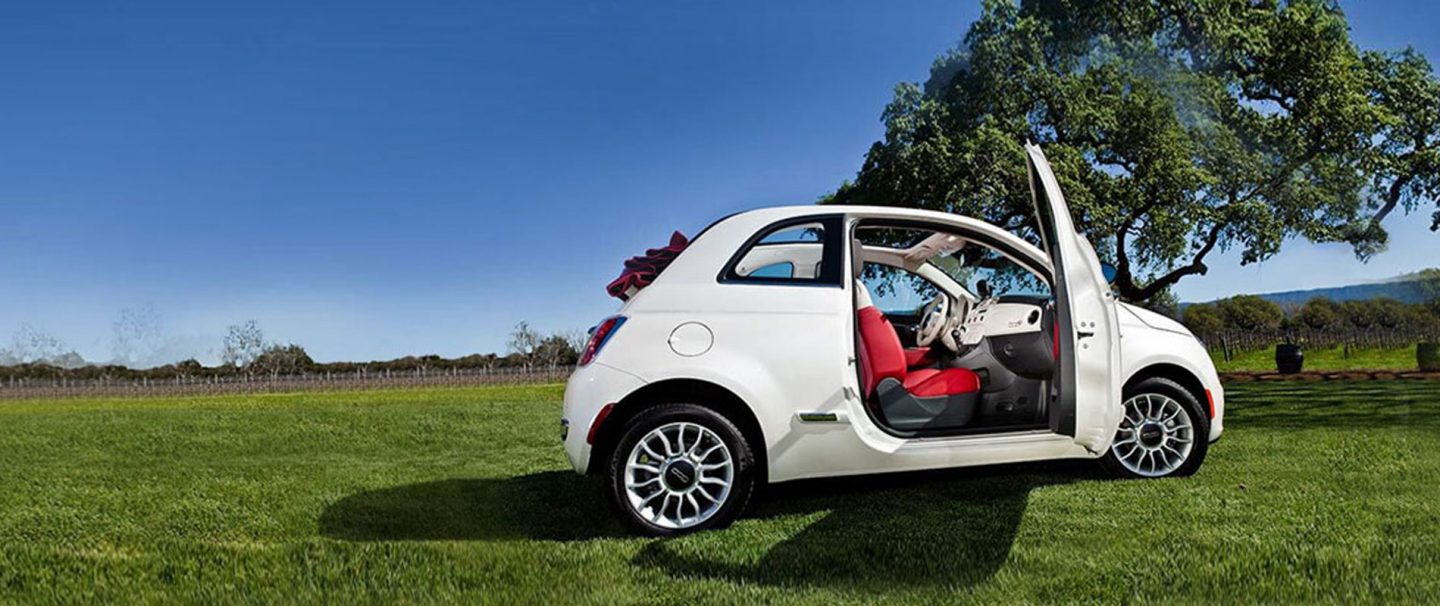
(1326, 491)
(1327, 359)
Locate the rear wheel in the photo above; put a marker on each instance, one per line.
(680, 468)
(1164, 432)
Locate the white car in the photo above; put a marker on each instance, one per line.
(821, 341)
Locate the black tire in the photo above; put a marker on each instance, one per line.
(1199, 418)
(742, 483)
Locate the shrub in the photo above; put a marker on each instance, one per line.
(1423, 321)
(1388, 313)
(1250, 312)
(1360, 314)
(1319, 313)
(1204, 318)
(282, 360)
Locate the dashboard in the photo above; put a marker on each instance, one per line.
(1002, 316)
(1015, 331)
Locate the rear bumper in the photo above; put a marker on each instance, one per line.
(589, 390)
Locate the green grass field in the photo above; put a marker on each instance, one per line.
(1325, 491)
(1323, 360)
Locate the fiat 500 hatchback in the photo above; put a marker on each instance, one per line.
(814, 341)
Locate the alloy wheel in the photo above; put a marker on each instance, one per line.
(678, 475)
(1155, 437)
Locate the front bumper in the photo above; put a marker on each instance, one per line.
(589, 390)
(1217, 423)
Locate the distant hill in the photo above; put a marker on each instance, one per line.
(1405, 292)
(1406, 289)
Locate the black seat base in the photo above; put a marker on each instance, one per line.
(904, 411)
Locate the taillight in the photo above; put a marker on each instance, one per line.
(599, 336)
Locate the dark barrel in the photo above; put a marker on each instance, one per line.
(1289, 359)
(1427, 356)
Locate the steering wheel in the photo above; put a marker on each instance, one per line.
(933, 320)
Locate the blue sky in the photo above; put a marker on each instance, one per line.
(373, 180)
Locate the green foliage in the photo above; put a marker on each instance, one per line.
(1388, 313)
(556, 350)
(1359, 314)
(283, 360)
(1250, 312)
(1204, 318)
(1404, 161)
(1429, 280)
(1164, 303)
(1176, 129)
(1318, 313)
(1424, 321)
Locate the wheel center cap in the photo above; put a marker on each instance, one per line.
(680, 475)
(1151, 434)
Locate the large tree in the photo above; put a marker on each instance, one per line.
(1177, 128)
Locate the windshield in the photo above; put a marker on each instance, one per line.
(983, 271)
(941, 257)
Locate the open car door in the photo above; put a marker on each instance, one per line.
(1085, 399)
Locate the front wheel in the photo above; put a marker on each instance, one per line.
(1164, 432)
(680, 468)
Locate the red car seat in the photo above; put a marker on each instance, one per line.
(909, 399)
(918, 357)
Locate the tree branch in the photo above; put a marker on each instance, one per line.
(1392, 199)
(1197, 266)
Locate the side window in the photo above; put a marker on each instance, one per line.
(897, 291)
(784, 270)
(804, 252)
(800, 234)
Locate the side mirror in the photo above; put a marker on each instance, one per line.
(982, 288)
(1109, 272)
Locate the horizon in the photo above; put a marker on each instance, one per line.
(381, 182)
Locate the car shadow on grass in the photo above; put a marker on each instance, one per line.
(953, 528)
(547, 506)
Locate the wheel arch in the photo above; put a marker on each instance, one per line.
(1179, 374)
(689, 391)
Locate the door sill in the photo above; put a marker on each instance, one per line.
(1019, 435)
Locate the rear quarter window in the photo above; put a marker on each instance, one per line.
(802, 251)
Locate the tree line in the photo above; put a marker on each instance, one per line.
(1251, 313)
(245, 351)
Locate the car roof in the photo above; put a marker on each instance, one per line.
(755, 218)
(800, 210)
